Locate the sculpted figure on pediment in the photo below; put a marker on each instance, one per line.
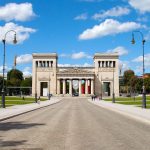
(75, 71)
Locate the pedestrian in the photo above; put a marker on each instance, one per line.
(38, 101)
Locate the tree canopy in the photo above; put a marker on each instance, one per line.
(14, 77)
(1, 83)
(27, 82)
(128, 75)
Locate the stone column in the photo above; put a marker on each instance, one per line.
(86, 86)
(104, 64)
(92, 86)
(58, 86)
(64, 86)
(70, 87)
(80, 83)
(108, 64)
(100, 64)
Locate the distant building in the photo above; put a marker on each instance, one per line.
(102, 79)
(146, 75)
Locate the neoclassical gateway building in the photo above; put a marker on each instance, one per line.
(101, 79)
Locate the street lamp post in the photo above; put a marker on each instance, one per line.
(113, 95)
(4, 43)
(143, 42)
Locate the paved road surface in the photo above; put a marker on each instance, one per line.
(73, 124)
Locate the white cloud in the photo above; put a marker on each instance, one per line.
(120, 50)
(87, 65)
(6, 68)
(27, 71)
(83, 16)
(146, 59)
(64, 55)
(65, 65)
(75, 65)
(114, 12)
(139, 61)
(23, 33)
(138, 69)
(23, 59)
(108, 27)
(141, 5)
(80, 55)
(17, 12)
(123, 66)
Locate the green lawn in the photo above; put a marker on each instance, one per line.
(130, 101)
(127, 98)
(20, 98)
(12, 100)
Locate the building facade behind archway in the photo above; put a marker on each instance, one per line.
(102, 79)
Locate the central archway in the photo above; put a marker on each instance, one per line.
(75, 87)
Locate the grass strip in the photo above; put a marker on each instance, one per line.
(127, 98)
(21, 98)
(11, 100)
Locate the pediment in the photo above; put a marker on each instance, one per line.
(75, 71)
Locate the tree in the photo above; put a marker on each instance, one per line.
(14, 77)
(147, 84)
(133, 82)
(128, 76)
(1, 83)
(26, 83)
(139, 85)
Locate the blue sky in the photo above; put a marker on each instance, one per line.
(75, 30)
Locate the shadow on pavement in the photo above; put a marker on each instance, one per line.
(11, 143)
(6, 126)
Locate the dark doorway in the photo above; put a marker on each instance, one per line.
(106, 88)
(44, 89)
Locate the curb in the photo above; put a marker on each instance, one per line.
(15, 115)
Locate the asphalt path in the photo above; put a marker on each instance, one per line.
(73, 124)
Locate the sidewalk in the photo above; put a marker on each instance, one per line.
(9, 112)
(137, 113)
